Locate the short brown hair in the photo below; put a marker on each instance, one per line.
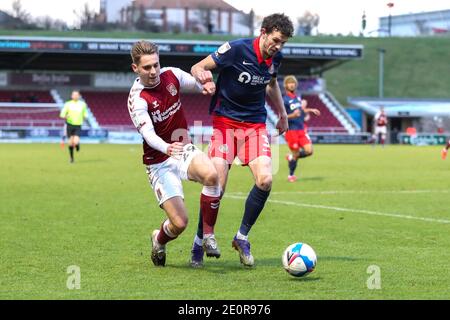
(280, 22)
(142, 48)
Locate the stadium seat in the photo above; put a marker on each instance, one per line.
(326, 122)
(26, 96)
(110, 108)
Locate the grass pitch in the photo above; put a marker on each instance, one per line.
(361, 209)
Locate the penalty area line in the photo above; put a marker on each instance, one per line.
(368, 212)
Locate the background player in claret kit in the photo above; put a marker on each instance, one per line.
(247, 71)
(444, 151)
(75, 112)
(380, 127)
(297, 137)
(156, 111)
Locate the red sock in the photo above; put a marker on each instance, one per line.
(164, 234)
(209, 207)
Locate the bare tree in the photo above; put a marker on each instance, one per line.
(307, 22)
(48, 23)
(19, 12)
(249, 21)
(86, 17)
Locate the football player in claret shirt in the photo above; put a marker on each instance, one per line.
(297, 137)
(380, 127)
(156, 110)
(247, 71)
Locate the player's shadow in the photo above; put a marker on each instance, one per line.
(311, 178)
(216, 267)
(81, 161)
(341, 258)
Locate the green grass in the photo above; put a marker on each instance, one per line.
(98, 214)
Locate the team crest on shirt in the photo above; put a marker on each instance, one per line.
(172, 89)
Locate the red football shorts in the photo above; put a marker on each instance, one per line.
(297, 139)
(232, 138)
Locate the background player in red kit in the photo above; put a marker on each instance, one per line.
(444, 151)
(297, 137)
(156, 111)
(380, 127)
(247, 71)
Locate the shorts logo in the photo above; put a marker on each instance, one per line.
(223, 148)
(172, 89)
(158, 194)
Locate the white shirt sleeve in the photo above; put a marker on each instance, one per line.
(187, 81)
(141, 120)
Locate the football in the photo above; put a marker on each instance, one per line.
(299, 259)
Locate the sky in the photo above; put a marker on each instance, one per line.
(343, 16)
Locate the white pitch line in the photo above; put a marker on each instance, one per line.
(374, 213)
(354, 192)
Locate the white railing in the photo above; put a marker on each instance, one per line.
(29, 105)
(26, 123)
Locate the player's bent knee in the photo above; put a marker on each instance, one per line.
(179, 224)
(264, 182)
(211, 179)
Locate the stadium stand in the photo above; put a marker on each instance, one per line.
(195, 108)
(19, 109)
(26, 96)
(109, 108)
(15, 117)
(328, 122)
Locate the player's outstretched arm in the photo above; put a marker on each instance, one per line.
(274, 93)
(201, 70)
(188, 82)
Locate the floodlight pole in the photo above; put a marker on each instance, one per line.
(381, 72)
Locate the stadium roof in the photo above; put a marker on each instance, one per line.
(97, 54)
(397, 107)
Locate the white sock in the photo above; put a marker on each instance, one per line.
(198, 241)
(240, 236)
(211, 191)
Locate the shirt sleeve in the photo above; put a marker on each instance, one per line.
(141, 119)
(276, 62)
(187, 81)
(63, 112)
(224, 56)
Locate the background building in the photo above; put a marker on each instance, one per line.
(196, 16)
(416, 24)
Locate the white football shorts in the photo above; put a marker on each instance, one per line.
(380, 129)
(165, 177)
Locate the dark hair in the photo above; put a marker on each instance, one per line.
(141, 48)
(280, 22)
